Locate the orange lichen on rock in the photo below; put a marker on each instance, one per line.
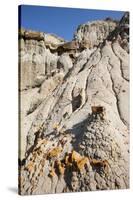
(61, 164)
(81, 163)
(52, 172)
(30, 166)
(55, 152)
(76, 156)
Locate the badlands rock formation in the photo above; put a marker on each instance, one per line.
(74, 109)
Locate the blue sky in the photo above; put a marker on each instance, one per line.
(61, 21)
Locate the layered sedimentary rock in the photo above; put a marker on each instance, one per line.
(74, 109)
(91, 34)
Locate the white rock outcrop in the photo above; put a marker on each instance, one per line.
(74, 110)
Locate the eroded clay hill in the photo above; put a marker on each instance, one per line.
(74, 109)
